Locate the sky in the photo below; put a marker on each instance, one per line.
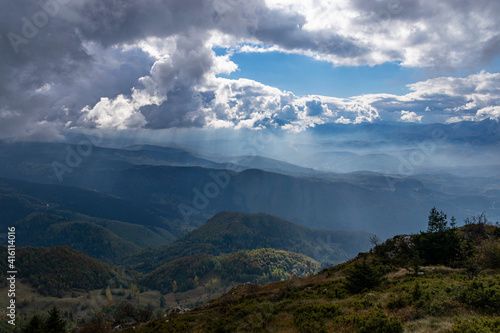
(284, 65)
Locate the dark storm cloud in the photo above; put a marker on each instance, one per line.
(79, 63)
(276, 28)
(448, 33)
(57, 56)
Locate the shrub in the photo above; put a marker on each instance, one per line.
(438, 248)
(496, 232)
(362, 277)
(310, 318)
(337, 290)
(398, 303)
(480, 296)
(489, 254)
(364, 304)
(376, 322)
(476, 325)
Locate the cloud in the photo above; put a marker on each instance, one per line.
(491, 112)
(119, 113)
(410, 117)
(150, 64)
(415, 33)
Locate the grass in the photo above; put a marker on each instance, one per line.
(433, 306)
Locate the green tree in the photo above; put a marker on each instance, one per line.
(135, 292)
(174, 286)
(54, 323)
(437, 221)
(440, 244)
(362, 276)
(109, 296)
(162, 302)
(35, 325)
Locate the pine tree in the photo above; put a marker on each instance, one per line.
(54, 323)
(35, 325)
(162, 302)
(440, 244)
(437, 221)
(362, 277)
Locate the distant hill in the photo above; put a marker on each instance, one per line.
(20, 198)
(57, 270)
(138, 185)
(47, 230)
(269, 164)
(261, 266)
(228, 232)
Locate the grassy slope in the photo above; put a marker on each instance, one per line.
(438, 299)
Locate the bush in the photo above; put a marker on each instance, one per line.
(489, 254)
(399, 303)
(361, 305)
(441, 244)
(337, 290)
(482, 297)
(475, 325)
(438, 248)
(362, 277)
(376, 322)
(311, 318)
(496, 232)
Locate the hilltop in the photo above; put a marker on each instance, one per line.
(228, 232)
(58, 270)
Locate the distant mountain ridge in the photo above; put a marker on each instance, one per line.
(174, 197)
(57, 270)
(48, 230)
(228, 232)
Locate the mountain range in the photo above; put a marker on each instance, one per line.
(178, 197)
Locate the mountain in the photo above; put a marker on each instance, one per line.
(48, 230)
(262, 266)
(156, 155)
(86, 220)
(60, 198)
(228, 232)
(389, 289)
(178, 198)
(269, 164)
(19, 199)
(58, 270)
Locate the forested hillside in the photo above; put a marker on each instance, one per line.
(444, 279)
(257, 266)
(58, 270)
(228, 232)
